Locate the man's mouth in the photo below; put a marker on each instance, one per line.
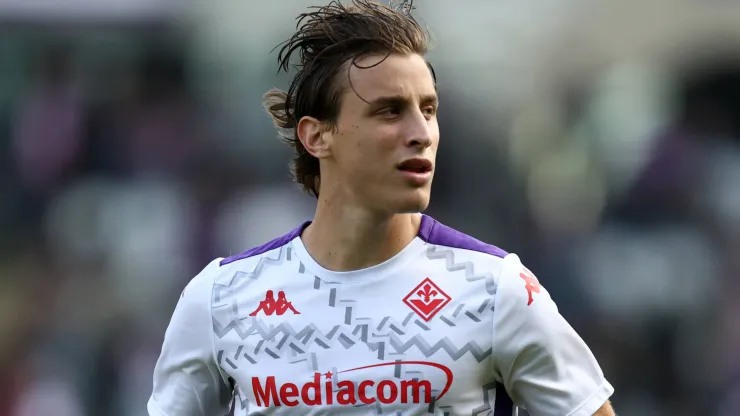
(416, 165)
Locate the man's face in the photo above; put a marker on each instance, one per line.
(385, 142)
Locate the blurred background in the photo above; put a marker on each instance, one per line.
(598, 142)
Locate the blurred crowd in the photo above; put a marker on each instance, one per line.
(603, 148)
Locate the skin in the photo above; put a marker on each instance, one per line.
(367, 210)
(605, 410)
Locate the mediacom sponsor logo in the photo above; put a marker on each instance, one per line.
(349, 392)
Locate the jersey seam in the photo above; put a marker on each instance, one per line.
(466, 249)
(513, 362)
(211, 337)
(496, 297)
(431, 231)
(261, 254)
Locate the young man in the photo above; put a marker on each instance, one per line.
(371, 308)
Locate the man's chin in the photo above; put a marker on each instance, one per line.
(413, 202)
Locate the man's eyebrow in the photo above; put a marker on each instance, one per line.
(400, 99)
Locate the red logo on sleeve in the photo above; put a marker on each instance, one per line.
(531, 284)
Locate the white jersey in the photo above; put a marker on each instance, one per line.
(449, 326)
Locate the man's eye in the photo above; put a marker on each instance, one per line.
(390, 111)
(429, 111)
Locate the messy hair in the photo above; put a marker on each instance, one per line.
(327, 40)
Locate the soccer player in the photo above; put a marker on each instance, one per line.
(379, 309)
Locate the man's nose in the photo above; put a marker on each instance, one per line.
(418, 133)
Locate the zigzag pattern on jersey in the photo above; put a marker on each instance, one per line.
(220, 289)
(283, 340)
(435, 253)
(382, 338)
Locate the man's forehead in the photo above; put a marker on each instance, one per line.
(405, 76)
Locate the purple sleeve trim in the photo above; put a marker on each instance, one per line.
(430, 230)
(434, 232)
(278, 242)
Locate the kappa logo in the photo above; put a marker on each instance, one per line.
(270, 306)
(427, 299)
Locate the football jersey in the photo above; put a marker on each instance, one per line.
(448, 326)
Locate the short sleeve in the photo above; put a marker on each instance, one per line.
(187, 379)
(543, 363)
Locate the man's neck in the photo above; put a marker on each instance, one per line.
(346, 238)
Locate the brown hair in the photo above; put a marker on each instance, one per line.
(326, 39)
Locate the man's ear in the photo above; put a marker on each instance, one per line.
(312, 134)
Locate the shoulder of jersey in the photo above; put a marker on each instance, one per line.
(223, 268)
(460, 249)
(514, 283)
(435, 233)
(257, 252)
